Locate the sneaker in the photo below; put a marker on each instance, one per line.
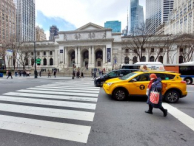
(149, 112)
(165, 113)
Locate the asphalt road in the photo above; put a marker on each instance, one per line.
(115, 123)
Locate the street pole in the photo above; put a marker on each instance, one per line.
(35, 71)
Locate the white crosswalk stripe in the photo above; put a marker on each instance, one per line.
(74, 101)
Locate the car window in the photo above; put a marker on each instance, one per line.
(143, 77)
(128, 76)
(113, 74)
(169, 77)
(124, 72)
(161, 75)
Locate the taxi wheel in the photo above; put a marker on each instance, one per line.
(119, 94)
(188, 80)
(172, 96)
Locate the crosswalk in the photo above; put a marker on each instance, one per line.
(71, 101)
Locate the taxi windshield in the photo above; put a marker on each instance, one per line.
(128, 76)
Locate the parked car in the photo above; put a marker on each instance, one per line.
(135, 84)
(98, 82)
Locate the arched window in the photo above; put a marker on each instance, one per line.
(126, 60)
(26, 61)
(160, 59)
(181, 59)
(51, 61)
(152, 59)
(143, 59)
(44, 61)
(32, 61)
(134, 59)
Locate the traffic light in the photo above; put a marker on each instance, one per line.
(38, 61)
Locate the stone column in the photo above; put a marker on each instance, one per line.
(66, 58)
(93, 57)
(90, 57)
(76, 57)
(79, 57)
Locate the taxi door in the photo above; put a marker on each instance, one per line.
(139, 84)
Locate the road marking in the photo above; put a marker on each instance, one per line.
(71, 87)
(64, 90)
(47, 96)
(182, 117)
(49, 102)
(60, 93)
(77, 133)
(48, 112)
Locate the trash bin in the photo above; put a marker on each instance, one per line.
(1, 75)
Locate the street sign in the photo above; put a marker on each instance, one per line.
(61, 51)
(38, 60)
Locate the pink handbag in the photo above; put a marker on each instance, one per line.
(154, 97)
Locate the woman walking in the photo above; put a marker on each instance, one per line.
(155, 85)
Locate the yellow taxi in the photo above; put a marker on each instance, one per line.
(135, 84)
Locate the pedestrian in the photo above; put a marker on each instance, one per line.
(82, 74)
(20, 73)
(55, 73)
(73, 74)
(40, 73)
(16, 73)
(9, 75)
(94, 74)
(155, 85)
(49, 74)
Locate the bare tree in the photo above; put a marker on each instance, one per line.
(23, 53)
(138, 40)
(186, 47)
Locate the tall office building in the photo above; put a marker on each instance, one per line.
(136, 15)
(114, 25)
(157, 12)
(40, 35)
(53, 32)
(181, 18)
(25, 30)
(7, 21)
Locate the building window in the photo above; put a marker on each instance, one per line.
(161, 49)
(152, 59)
(181, 59)
(152, 49)
(134, 59)
(44, 53)
(160, 59)
(181, 50)
(143, 50)
(126, 50)
(44, 61)
(38, 53)
(51, 61)
(135, 50)
(51, 53)
(126, 60)
(143, 59)
(32, 53)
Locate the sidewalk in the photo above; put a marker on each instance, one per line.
(45, 77)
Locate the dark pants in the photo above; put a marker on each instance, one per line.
(151, 108)
(9, 76)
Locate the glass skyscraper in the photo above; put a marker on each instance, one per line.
(25, 20)
(136, 15)
(157, 12)
(114, 25)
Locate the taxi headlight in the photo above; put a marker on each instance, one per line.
(109, 84)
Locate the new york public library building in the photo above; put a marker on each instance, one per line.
(93, 46)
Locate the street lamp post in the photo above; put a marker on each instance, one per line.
(35, 71)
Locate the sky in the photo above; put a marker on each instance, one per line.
(71, 14)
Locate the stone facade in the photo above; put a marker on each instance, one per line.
(93, 46)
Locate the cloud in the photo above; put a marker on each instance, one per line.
(80, 12)
(47, 34)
